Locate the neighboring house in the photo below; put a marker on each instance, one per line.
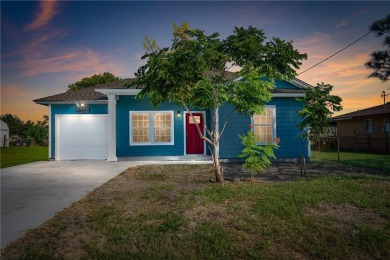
(4, 142)
(365, 130)
(107, 121)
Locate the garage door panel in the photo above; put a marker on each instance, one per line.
(81, 137)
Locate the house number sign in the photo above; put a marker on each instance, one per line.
(82, 110)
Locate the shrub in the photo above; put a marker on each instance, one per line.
(257, 157)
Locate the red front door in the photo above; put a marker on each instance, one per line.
(194, 144)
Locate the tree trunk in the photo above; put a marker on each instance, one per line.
(218, 171)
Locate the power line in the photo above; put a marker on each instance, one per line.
(335, 53)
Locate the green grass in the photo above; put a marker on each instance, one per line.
(11, 156)
(322, 217)
(375, 161)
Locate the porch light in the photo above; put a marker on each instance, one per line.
(80, 104)
(178, 114)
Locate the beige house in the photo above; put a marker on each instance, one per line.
(366, 130)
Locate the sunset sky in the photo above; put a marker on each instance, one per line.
(47, 45)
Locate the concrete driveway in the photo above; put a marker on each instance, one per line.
(33, 193)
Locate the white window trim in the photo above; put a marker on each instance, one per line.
(274, 124)
(151, 129)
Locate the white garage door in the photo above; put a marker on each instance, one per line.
(81, 137)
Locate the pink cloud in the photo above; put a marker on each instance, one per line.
(48, 9)
(13, 90)
(341, 23)
(44, 56)
(313, 41)
(360, 13)
(58, 60)
(345, 71)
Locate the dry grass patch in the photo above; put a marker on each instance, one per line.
(350, 216)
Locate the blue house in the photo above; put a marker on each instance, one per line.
(107, 122)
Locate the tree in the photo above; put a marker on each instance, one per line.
(257, 157)
(94, 80)
(380, 60)
(15, 124)
(318, 107)
(37, 131)
(194, 73)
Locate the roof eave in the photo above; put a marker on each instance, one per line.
(126, 91)
(300, 84)
(67, 102)
(288, 95)
(340, 119)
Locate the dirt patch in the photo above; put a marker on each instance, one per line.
(349, 215)
(214, 212)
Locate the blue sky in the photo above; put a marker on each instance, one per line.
(47, 45)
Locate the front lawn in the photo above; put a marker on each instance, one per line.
(375, 161)
(11, 156)
(174, 212)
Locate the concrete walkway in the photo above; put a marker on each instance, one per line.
(35, 192)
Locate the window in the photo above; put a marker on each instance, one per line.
(264, 125)
(369, 125)
(151, 128)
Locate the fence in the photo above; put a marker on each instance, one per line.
(5, 142)
(354, 143)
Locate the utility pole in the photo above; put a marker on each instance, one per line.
(383, 95)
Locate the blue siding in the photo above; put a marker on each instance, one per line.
(69, 109)
(291, 146)
(280, 84)
(126, 104)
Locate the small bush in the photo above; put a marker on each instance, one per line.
(257, 157)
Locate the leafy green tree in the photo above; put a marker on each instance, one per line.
(94, 80)
(380, 60)
(37, 131)
(15, 124)
(194, 72)
(257, 157)
(318, 107)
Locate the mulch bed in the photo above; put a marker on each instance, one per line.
(290, 171)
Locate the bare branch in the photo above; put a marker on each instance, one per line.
(202, 136)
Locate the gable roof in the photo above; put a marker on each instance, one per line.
(94, 94)
(84, 94)
(371, 111)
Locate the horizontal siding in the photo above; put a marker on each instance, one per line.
(69, 109)
(353, 135)
(291, 145)
(125, 104)
(357, 126)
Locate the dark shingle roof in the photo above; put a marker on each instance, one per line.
(85, 94)
(89, 94)
(377, 110)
